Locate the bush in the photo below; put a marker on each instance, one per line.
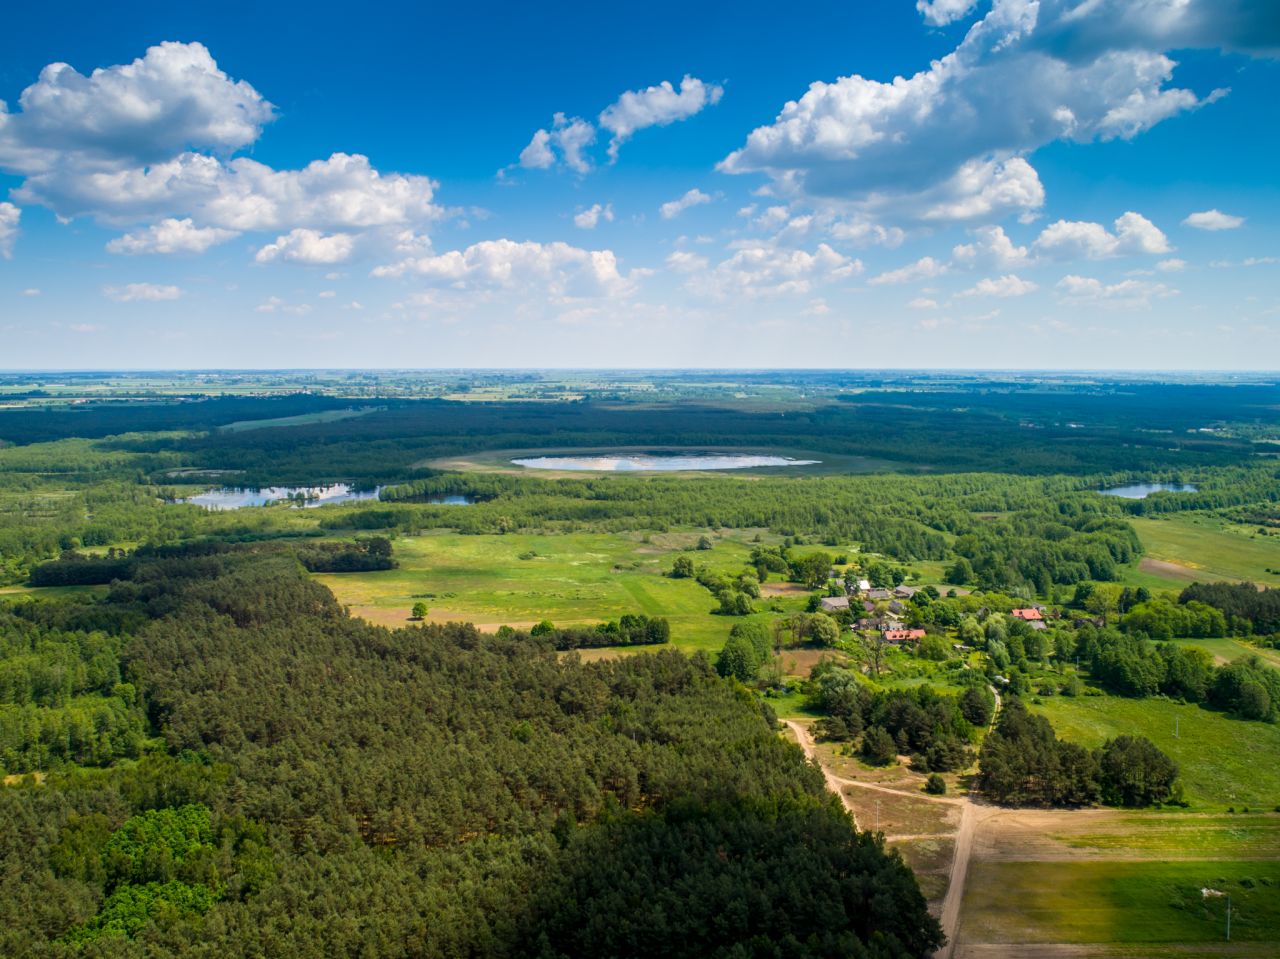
(935, 785)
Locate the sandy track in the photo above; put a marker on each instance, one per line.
(972, 815)
(834, 782)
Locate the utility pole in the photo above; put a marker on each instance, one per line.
(1228, 918)
(1175, 726)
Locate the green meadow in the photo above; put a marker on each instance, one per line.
(1226, 650)
(1125, 902)
(1224, 762)
(1182, 548)
(521, 579)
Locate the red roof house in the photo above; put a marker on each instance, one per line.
(902, 635)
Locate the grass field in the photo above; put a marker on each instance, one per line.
(1183, 548)
(1224, 761)
(1123, 902)
(1228, 650)
(574, 578)
(324, 416)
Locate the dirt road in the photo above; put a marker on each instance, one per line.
(834, 782)
(972, 814)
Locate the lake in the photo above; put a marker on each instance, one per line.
(659, 462)
(231, 497)
(1143, 490)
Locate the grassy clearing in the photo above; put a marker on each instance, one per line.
(51, 592)
(1121, 902)
(930, 859)
(1228, 650)
(1224, 761)
(1204, 547)
(1179, 835)
(573, 578)
(325, 416)
(902, 814)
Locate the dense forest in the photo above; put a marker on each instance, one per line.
(290, 781)
(1023, 763)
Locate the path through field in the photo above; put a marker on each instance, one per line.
(971, 815)
(834, 782)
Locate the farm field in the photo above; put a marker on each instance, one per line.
(1181, 549)
(1119, 908)
(568, 579)
(1219, 757)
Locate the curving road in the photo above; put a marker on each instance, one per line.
(971, 812)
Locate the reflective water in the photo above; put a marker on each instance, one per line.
(229, 497)
(1143, 490)
(660, 462)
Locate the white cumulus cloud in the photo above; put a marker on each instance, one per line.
(170, 236)
(765, 270)
(132, 292)
(565, 141)
(1213, 220)
(1134, 234)
(656, 106)
(558, 268)
(274, 304)
(1127, 294)
(939, 13)
(991, 247)
(308, 246)
(922, 269)
(151, 143)
(172, 99)
(950, 141)
(682, 261)
(9, 217)
(1001, 286)
(673, 208)
(592, 215)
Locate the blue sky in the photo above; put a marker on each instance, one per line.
(1069, 183)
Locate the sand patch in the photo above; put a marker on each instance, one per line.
(783, 589)
(1163, 567)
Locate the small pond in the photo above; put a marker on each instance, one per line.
(1143, 490)
(659, 462)
(230, 497)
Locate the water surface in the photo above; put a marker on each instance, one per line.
(659, 462)
(1143, 490)
(231, 497)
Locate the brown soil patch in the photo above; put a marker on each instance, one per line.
(800, 662)
(1058, 835)
(1163, 567)
(396, 618)
(608, 653)
(783, 589)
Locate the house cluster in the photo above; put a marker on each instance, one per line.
(861, 594)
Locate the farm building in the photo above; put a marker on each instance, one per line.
(1028, 615)
(832, 604)
(902, 635)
